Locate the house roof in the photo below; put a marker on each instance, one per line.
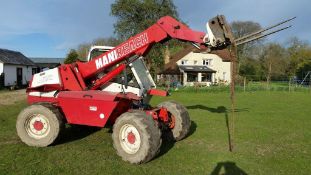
(14, 57)
(196, 69)
(48, 60)
(171, 67)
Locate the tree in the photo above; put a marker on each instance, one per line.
(72, 56)
(299, 52)
(274, 62)
(251, 69)
(242, 28)
(134, 16)
(303, 69)
(111, 41)
(250, 50)
(83, 49)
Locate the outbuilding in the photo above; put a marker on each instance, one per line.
(15, 68)
(43, 63)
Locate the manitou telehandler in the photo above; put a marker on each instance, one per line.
(115, 87)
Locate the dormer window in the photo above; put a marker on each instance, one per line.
(207, 62)
(184, 62)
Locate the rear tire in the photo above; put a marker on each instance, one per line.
(136, 137)
(39, 125)
(182, 120)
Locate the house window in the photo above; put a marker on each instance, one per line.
(206, 77)
(207, 62)
(192, 77)
(195, 62)
(184, 62)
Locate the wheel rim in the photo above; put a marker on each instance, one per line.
(171, 123)
(129, 138)
(37, 126)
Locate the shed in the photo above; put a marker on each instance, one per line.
(15, 68)
(43, 63)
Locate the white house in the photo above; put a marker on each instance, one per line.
(204, 68)
(193, 68)
(15, 68)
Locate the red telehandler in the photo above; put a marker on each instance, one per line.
(115, 87)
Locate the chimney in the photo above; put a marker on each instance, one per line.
(166, 55)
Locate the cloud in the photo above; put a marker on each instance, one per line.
(70, 22)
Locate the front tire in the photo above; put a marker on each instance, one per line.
(136, 137)
(180, 116)
(39, 125)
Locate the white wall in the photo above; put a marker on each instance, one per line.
(221, 68)
(10, 74)
(1, 68)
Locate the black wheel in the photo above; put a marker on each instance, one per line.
(180, 120)
(39, 125)
(136, 137)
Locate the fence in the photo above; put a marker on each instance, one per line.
(273, 86)
(250, 86)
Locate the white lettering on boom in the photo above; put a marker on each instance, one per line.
(126, 48)
(99, 63)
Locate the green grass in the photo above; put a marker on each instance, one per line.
(272, 136)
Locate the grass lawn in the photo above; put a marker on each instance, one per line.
(272, 136)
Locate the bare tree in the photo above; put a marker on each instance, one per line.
(250, 50)
(274, 61)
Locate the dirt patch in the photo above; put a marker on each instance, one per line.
(10, 97)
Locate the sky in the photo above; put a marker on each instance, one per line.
(50, 28)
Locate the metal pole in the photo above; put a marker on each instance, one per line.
(233, 52)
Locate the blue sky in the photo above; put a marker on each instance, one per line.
(49, 28)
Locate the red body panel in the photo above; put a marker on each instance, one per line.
(158, 92)
(91, 108)
(69, 80)
(38, 99)
(123, 106)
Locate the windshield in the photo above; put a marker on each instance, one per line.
(142, 74)
(96, 52)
